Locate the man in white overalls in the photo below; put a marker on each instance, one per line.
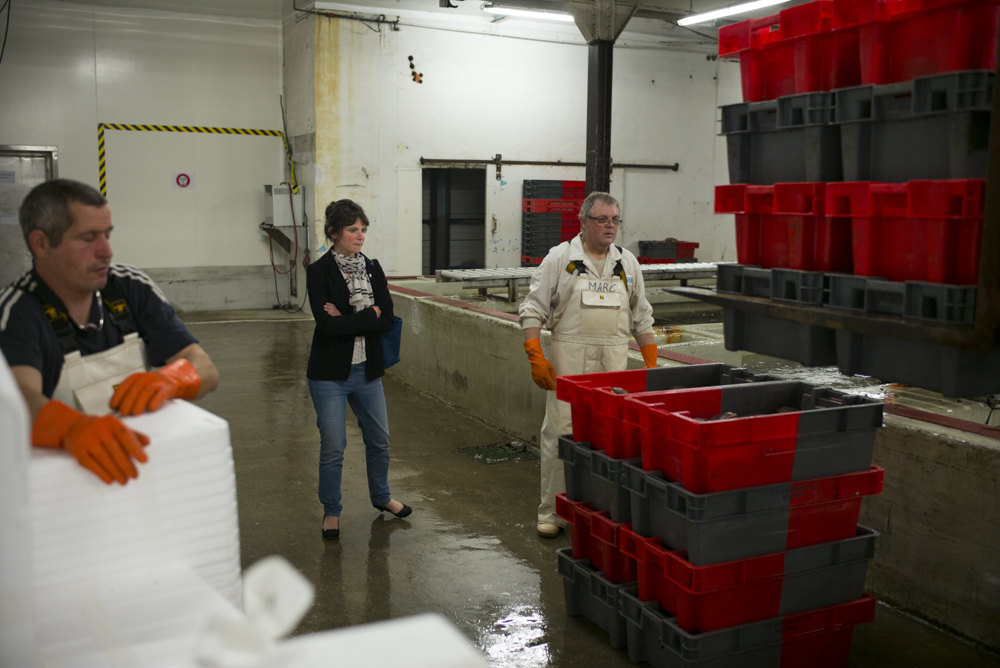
(590, 294)
(79, 332)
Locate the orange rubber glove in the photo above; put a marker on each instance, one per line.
(147, 391)
(542, 371)
(649, 355)
(101, 444)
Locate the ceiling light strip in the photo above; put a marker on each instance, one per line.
(526, 14)
(729, 11)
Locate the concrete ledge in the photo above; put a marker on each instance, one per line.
(939, 514)
(479, 365)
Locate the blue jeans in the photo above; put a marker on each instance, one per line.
(330, 399)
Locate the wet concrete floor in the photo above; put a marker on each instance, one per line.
(469, 550)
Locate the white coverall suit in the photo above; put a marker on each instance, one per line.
(591, 314)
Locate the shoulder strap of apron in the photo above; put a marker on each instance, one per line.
(57, 317)
(114, 303)
(579, 269)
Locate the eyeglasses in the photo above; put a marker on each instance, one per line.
(604, 220)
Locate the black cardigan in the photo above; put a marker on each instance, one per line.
(333, 338)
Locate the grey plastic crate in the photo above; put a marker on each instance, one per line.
(952, 371)
(659, 249)
(807, 344)
(744, 279)
(594, 477)
(556, 192)
(532, 218)
(782, 141)
(590, 594)
(720, 526)
(655, 637)
(803, 287)
(934, 302)
(552, 237)
(550, 189)
(933, 127)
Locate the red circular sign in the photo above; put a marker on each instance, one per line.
(183, 180)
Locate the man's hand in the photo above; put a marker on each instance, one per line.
(100, 444)
(542, 371)
(146, 391)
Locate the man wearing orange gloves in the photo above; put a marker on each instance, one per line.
(79, 332)
(591, 295)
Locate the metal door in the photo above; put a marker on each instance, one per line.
(21, 169)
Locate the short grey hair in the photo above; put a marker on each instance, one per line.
(592, 199)
(46, 208)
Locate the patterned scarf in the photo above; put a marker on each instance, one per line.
(359, 286)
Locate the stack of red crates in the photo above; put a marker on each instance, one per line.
(736, 522)
(887, 230)
(550, 214)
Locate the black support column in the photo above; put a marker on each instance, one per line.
(599, 73)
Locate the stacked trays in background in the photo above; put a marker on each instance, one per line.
(550, 214)
(667, 252)
(713, 515)
(858, 162)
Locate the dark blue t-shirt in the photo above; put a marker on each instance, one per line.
(27, 337)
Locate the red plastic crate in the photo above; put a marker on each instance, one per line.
(605, 430)
(917, 231)
(756, 449)
(750, 522)
(786, 225)
(532, 260)
(570, 227)
(794, 51)
(900, 40)
(552, 205)
(706, 598)
(819, 638)
(596, 538)
(598, 413)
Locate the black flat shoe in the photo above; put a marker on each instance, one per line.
(330, 534)
(403, 512)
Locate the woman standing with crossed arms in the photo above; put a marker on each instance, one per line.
(350, 301)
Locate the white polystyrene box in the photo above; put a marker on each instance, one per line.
(142, 620)
(16, 584)
(421, 641)
(181, 511)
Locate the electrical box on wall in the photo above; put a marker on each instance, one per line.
(278, 205)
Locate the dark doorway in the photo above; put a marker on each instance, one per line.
(454, 219)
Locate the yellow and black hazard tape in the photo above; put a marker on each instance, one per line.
(102, 163)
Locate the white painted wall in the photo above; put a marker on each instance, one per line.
(525, 99)
(68, 67)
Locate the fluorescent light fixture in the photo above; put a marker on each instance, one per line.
(528, 14)
(729, 11)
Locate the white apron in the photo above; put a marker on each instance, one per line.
(87, 383)
(590, 337)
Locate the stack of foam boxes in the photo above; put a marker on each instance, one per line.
(550, 214)
(858, 162)
(713, 515)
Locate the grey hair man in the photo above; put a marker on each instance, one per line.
(590, 294)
